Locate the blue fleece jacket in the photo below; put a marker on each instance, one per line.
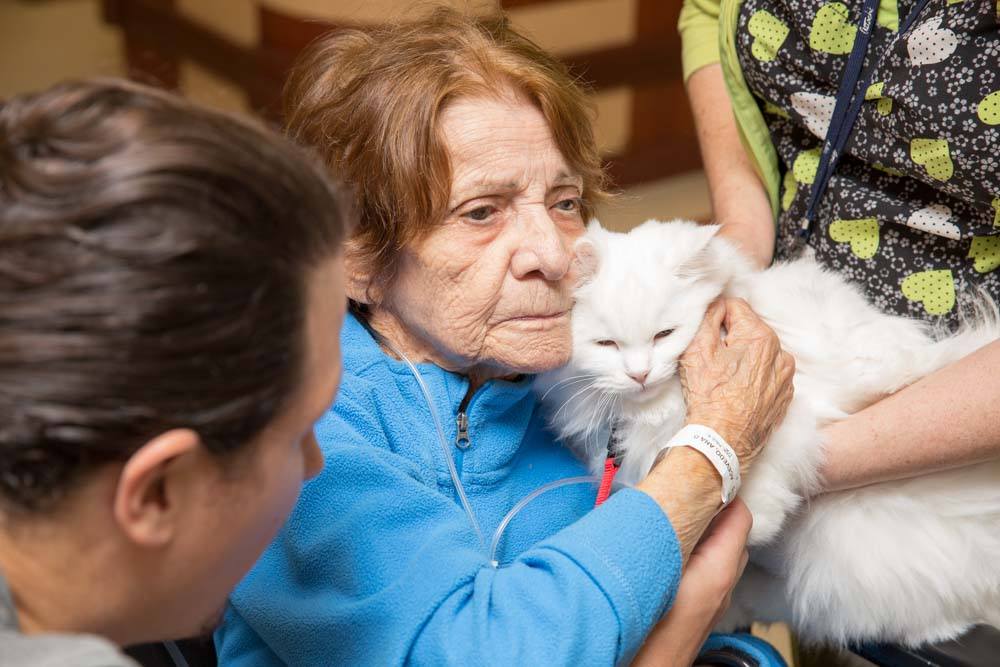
(379, 564)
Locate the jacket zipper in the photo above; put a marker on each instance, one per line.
(462, 437)
(462, 440)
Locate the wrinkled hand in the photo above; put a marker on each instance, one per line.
(706, 587)
(740, 386)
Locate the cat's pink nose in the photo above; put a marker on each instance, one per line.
(639, 377)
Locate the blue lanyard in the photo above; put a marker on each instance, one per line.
(850, 97)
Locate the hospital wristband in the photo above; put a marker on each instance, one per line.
(716, 450)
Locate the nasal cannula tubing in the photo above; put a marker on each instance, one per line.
(459, 488)
(498, 533)
(444, 443)
(589, 479)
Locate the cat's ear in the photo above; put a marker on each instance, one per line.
(585, 260)
(706, 255)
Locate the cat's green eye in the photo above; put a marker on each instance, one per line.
(663, 334)
(607, 343)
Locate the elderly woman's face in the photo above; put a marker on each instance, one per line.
(489, 290)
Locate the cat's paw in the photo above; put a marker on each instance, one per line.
(766, 526)
(769, 510)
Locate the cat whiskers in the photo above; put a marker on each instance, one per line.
(604, 400)
(579, 393)
(605, 408)
(574, 379)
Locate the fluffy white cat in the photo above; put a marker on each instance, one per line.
(908, 561)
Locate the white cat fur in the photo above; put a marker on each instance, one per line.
(908, 561)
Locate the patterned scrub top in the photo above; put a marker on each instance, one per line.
(912, 213)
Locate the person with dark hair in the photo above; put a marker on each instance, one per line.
(171, 294)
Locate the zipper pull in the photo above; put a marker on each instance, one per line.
(462, 438)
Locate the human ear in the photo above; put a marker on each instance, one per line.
(359, 278)
(147, 497)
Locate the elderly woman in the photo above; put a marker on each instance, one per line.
(475, 168)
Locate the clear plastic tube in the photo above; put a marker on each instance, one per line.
(523, 502)
(459, 489)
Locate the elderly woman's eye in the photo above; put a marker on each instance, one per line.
(481, 214)
(662, 334)
(569, 205)
(607, 343)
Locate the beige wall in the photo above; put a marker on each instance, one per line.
(562, 27)
(44, 41)
(48, 40)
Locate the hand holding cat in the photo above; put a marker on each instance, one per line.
(706, 587)
(740, 387)
(741, 384)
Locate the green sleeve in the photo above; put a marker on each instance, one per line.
(707, 27)
(699, 28)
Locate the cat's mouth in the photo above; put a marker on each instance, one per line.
(644, 393)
